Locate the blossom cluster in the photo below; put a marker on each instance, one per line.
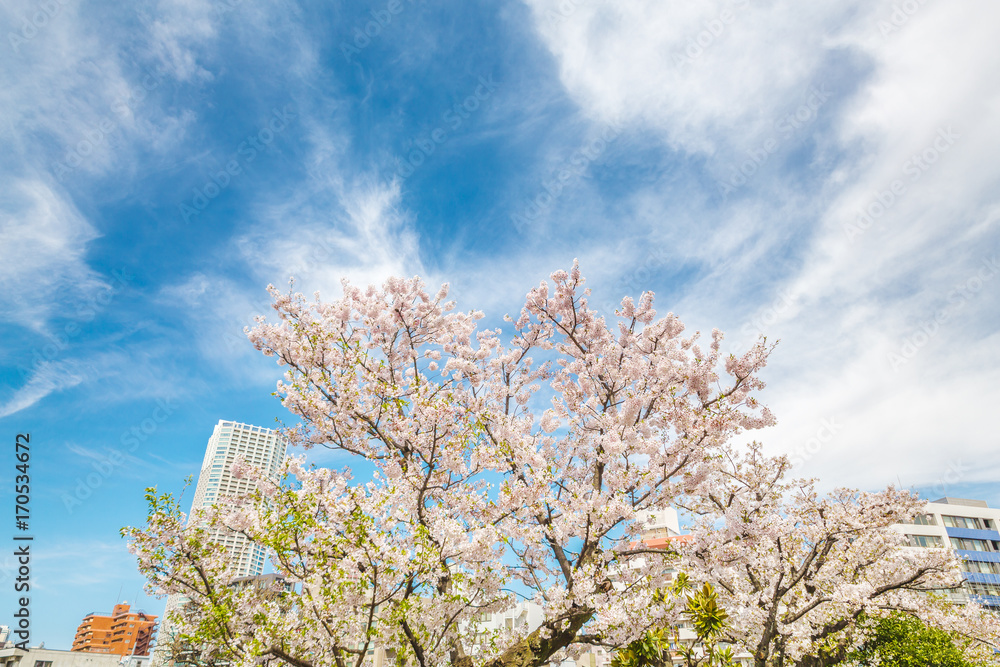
(504, 470)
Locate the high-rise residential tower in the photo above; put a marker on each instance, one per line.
(262, 448)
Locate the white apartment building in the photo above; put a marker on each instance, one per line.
(970, 527)
(262, 448)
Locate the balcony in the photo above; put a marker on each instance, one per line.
(973, 534)
(982, 577)
(981, 556)
(987, 600)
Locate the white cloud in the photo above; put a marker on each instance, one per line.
(180, 28)
(318, 237)
(44, 239)
(72, 114)
(338, 223)
(355, 230)
(113, 374)
(698, 73)
(48, 377)
(77, 106)
(778, 259)
(215, 310)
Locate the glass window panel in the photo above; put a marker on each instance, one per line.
(970, 545)
(924, 540)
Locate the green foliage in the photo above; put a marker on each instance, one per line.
(702, 608)
(902, 640)
(708, 618)
(650, 650)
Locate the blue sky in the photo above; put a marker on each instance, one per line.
(822, 174)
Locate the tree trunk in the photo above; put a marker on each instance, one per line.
(535, 650)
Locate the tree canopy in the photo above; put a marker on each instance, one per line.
(514, 470)
(902, 640)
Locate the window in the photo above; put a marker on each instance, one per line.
(924, 520)
(984, 568)
(962, 522)
(971, 545)
(924, 541)
(984, 589)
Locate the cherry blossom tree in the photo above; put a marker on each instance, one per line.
(480, 472)
(796, 570)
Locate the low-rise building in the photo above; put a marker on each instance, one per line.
(970, 527)
(47, 657)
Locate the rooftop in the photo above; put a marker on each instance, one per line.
(961, 501)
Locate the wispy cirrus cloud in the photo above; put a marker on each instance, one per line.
(44, 239)
(47, 378)
(718, 81)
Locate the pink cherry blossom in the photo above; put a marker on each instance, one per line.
(507, 465)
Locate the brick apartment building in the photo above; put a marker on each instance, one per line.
(122, 632)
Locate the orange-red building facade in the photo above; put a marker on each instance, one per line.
(123, 632)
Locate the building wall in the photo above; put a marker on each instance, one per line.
(94, 634)
(970, 527)
(659, 523)
(122, 632)
(261, 448)
(132, 633)
(14, 657)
